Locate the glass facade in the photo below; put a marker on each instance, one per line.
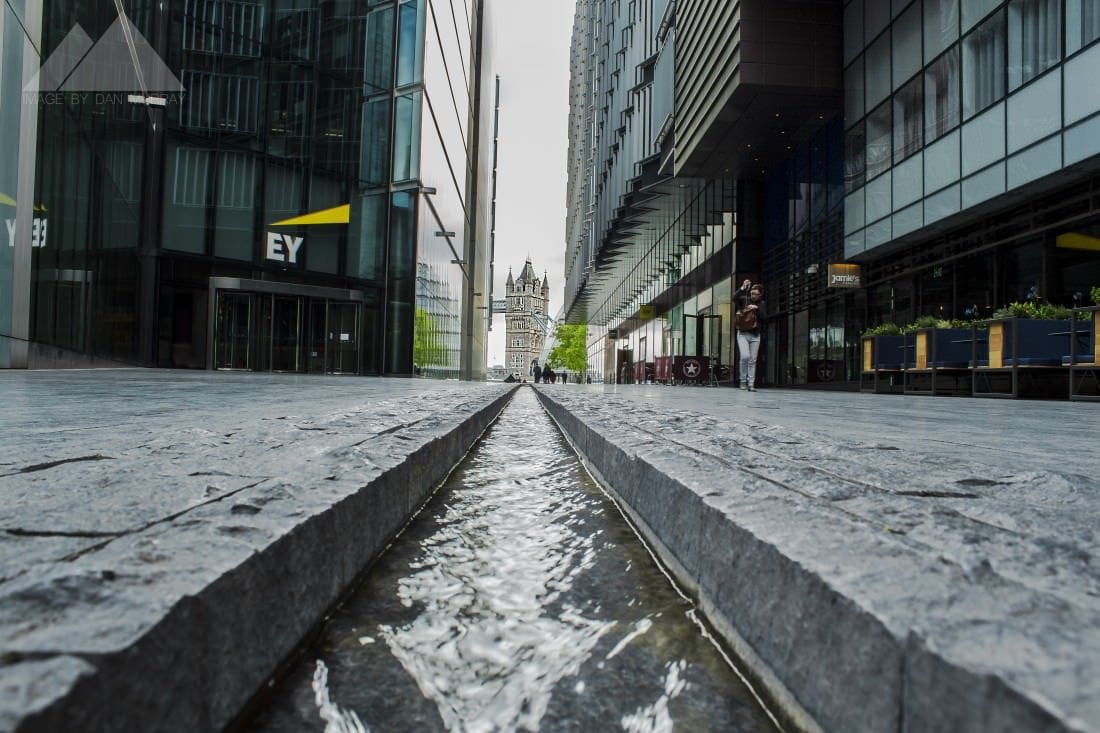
(1008, 105)
(957, 169)
(25, 224)
(296, 147)
(995, 115)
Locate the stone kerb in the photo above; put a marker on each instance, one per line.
(177, 622)
(867, 589)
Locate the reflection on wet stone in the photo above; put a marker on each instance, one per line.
(518, 600)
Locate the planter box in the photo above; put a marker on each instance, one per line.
(1022, 342)
(1025, 356)
(883, 360)
(883, 352)
(949, 348)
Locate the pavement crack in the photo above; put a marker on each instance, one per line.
(939, 494)
(52, 464)
(388, 431)
(18, 532)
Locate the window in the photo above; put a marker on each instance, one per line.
(877, 17)
(941, 26)
(853, 30)
(878, 71)
(855, 158)
(1034, 38)
(517, 343)
(406, 143)
(941, 95)
(410, 49)
(853, 96)
(225, 102)
(1082, 23)
(907, 120)
(878, 140)
(907, 58)
(223, 27)
(984, 66)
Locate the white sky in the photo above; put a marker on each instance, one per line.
(531, 56)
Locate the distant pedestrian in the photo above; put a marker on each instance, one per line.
(750, 313)
(538, 373)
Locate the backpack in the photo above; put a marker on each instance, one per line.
(745, 320)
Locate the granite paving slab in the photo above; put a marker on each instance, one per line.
(168, 538)
(886, 563)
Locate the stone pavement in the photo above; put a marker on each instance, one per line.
(885, 563)
(168, 538)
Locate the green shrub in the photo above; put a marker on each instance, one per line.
(1095, 292)
(1031, 309)
(883, 329)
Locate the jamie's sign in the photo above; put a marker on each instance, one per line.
(845, 276)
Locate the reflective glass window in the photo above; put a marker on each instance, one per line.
(375, 151)
(853, 92)
(406, 138)
(941, 26)
(235, 199)
(876, 18)
(878, 71)
(366, 251)
(984, 66)
(855, 157)
(879, 134)
(908, 120)
(1082, 23)
(1034, 38)
(974, 11)
(942, 95)
(410, 46)
(378, 67)
(853, 30)
(907, 45)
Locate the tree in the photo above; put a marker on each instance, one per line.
(571, 349)
(428, 346)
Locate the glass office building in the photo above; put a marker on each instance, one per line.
(972, 130)
(942, 153)
(700, 144)
(271, 185)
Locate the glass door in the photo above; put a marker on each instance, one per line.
(232, 343)
(318, 336)
(343, 326)
(286, 334)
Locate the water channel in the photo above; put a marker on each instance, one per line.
(518, 599)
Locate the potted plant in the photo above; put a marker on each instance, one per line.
(883, 347)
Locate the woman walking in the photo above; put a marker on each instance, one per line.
(750, 313)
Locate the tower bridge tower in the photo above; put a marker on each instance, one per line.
(527, 318)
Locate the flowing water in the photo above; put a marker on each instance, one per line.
(518, 600)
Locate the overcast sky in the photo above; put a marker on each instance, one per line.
(531, 55)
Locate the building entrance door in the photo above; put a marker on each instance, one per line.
(285, 328)
(281, 333)
(343, 320)
(233, 330)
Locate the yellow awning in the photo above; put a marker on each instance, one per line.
(1073, 240)
(336, 215)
